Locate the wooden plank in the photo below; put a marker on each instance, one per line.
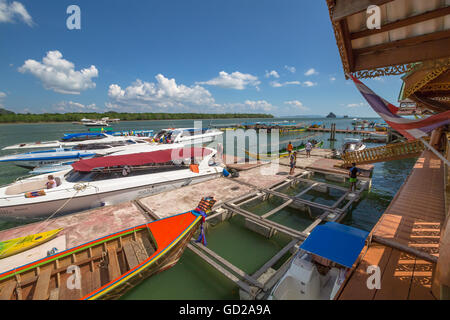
(229, 265)
(130, 256)
(396, 278)
(275, 258)
(271, 212)
(139, 250)
(54, 294)
(90, 281)
(429, 50)
(68, 294)
(440, 12)
(42, 284)
(421, 282)
(7, 290)
(113, 264)
(244, 286)
(147, 244)
(356, 286)
(345, 8)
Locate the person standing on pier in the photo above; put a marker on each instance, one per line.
(289, 148)
(292, 162)
(308, 148)
(353, 173)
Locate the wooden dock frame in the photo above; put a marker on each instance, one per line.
(250, 286)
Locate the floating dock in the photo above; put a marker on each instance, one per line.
(256, 182)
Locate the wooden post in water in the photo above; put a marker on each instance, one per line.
(333, 132)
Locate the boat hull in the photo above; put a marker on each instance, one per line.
(79, 203)
(154, 266)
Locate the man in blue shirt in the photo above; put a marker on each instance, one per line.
(353, 173)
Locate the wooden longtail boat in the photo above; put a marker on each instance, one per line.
(108, 266)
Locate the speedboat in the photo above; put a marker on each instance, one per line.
(98, 123)
(83, 150)
(104, 150)
(108, 180)
(351, 144)
(187, 135)
(74, 139)
(34, 159)
(322, 264)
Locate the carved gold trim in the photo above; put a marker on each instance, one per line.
(384, 71)
(425, 80)
(445, 86)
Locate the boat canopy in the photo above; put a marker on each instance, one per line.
(139, 159)
(77, 135)
(336, 242)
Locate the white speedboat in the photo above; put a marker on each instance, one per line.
(72, 140)
(351, 144)
(322, 263)
(34, 159)
(106, 181)
(98, 123)
(187, 135)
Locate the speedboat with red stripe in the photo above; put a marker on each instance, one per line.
(107, 181)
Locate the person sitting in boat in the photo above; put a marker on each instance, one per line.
(51, 183)
(126, 171)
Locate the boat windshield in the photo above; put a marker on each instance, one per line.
(122, 172)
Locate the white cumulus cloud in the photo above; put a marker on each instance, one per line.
(2, 95)
(59, 75)
(235, 80)
(290, 69)
(309, 84)
(297, 104)
(311, 72)
(164, 94)
(10, 11)
(272, 73)
(355, 105)
(277, 84)
(70, 106)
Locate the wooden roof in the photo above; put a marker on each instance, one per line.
(411, 31)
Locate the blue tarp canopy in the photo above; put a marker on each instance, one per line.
(336, 242)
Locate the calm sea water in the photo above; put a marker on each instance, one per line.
(192, 278)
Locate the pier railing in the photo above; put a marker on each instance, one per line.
(396, 151)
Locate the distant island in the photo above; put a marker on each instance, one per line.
(331, 115)
(11, 117)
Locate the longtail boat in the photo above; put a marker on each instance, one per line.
(282, 152)
(105, 268)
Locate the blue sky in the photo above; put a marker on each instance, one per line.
(270, 56)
